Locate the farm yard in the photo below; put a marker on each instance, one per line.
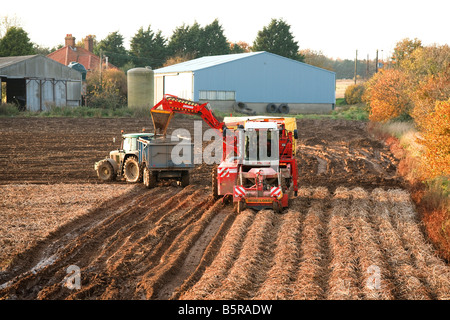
(351, 233)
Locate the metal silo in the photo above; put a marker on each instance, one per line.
(140, 87)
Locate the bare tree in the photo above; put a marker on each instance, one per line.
(7, 22)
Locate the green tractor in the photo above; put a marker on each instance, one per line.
(123, 163)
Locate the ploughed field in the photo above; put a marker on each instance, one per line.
(351, 233)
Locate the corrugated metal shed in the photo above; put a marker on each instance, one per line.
(256, 77)
(36, 82)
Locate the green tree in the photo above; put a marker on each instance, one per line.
(148, 48)
(186, 41)
(277, 38)
(38, 49)
(112, 47)
(195, 41)
(345, 69)
(213, 41)
(16, 43)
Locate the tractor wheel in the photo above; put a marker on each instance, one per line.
(105, 171)
(131, 171)
(240, 206)
(214, 183)
(185, 179)
(149, 178)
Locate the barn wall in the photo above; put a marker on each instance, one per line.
(260, 108)
(268, 78)
(47, 82)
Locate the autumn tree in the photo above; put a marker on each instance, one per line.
(404, 48)
(177, 59)
(278, 39)
(108, 90)
(387, 96)
(354, 93)
(239, 47)
(16, 43)
(436, 134)
(420, 79)
(428, 70)
(318, 59)
(426, 61)
(433, 88)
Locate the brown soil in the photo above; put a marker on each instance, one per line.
(351, 233)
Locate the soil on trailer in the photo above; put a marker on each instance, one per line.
(351, 233)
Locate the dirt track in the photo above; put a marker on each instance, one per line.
(352, 232)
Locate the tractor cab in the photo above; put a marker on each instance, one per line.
(129, 146)
(130, 141)
(260, 144)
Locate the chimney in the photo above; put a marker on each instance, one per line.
(70, 40)
(89, 43)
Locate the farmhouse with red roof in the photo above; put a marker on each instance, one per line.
(83, 55)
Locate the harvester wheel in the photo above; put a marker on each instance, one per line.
(105, 171)
(132, 171)
(240, 206)
(277, 207)
(214, 183)
(149, 178)
(286, 186)
(185, 179)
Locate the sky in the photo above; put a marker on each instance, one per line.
(336, 28)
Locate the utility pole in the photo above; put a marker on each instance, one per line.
(356, 66)
(101, 67)
(376, 63)
(367, 67)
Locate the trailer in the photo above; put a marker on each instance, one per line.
(162, 158)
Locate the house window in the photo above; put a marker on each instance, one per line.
(217, 95)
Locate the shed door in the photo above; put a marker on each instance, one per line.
(180, 85)
(16, 92)
(159, 88)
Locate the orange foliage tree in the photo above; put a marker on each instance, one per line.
(107, 90)
(436, 133)
(354, 93)
(433, 88)
(387, 95)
